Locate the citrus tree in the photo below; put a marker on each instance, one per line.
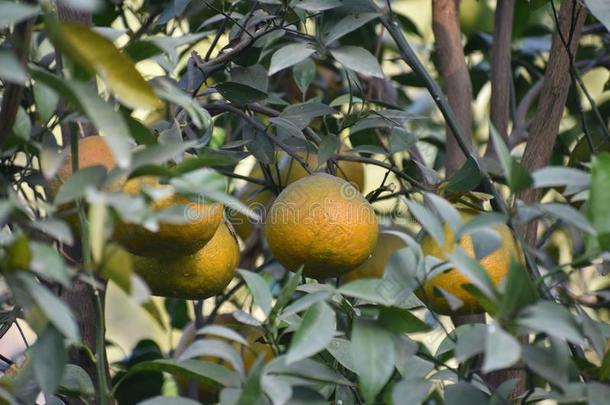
(304, 202)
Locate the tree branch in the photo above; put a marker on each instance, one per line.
(553, 96)
(501, 70)
(452, 63)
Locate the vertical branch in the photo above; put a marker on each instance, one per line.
(553, 96)
(85, 302)
(501, 69)
(452, 63)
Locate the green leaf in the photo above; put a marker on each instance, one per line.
(599, 8)
(223, 331)
(568, 214)
(315, 332)
(286, 294)
(358, 59)
(46, 101)
(307, 369)
(12, 13)
(76, 381)
(348, 24)
(604, 370)
(598, 207)
(315, 6)
(305, 302)
(467, 178)
(56, 310)
(573, 180)
(517, 176)
(519, 292)
(471, 340)
(597, 394)
(301, 114)
(11, 70)
(259, 289)
(303, 74)
(401, 321)
(142, 49)
(552, 319)
(411, 391)
(339, 349)
(117, 266)
(103, 116)
(78, 183)
(48, 263)
(169, 92)
(205, 372)
(99, 55)
(463, 393)
(49, 356)
(475, 272)
(329, 146)
(545, 363)
(289, 55)
(428, 221)
(162, 400)
(373, 355)
(240, 94)
(501, 349)
(214, 348)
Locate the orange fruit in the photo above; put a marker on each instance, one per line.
(92, 151)
(170, 240)
(200, 275)
(452, 281)
(259, 199)
(387, 243)
(323, 223)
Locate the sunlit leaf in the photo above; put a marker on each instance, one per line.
(100, 55)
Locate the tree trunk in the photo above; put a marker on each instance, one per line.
(552, 100)
(453, 68)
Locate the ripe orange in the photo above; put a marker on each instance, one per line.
(323, 223)
(496, 264)
(92, 151)
(197, 276)
(171, 240)
(258, 199)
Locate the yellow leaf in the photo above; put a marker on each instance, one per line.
(99, 55)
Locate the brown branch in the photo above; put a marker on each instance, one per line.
(452, 63)
(551, 103)
(11, 97)
(501, 69)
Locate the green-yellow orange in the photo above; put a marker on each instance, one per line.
(257, 198)
(452, 281)
(200, 275)
(323, 223)
(387, 243)
(171, 239)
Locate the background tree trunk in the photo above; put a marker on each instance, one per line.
(453, 68)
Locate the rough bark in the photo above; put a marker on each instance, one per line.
(80, 296)
(453, 68)
(555, 87)
(501, 69)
